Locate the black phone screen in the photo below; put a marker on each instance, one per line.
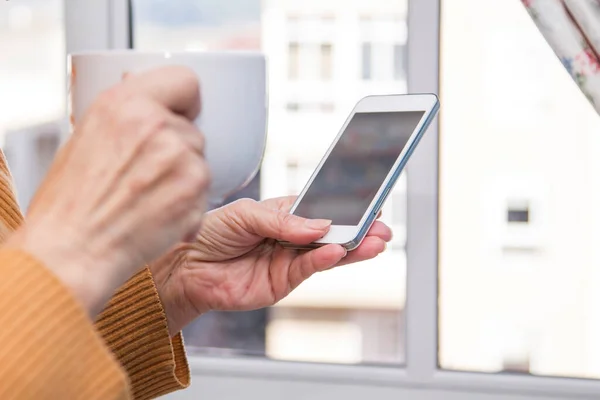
(357, 166)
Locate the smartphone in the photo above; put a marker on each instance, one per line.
(353, 180)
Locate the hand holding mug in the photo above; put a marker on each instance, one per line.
(129, 184)
(234, 104)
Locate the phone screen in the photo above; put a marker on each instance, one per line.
(357, 166)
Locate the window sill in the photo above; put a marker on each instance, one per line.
(393, 376)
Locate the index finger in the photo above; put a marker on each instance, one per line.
(175, 87)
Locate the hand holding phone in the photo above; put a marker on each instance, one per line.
(359, 170)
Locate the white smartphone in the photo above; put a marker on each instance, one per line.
(359, 170)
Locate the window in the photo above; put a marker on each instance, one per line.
(326, 62)
(293, 106)
(399, 61)
(327, 107)
(293, 178)
(293, 60)
(320, 107)
(399, 208)
(304, 42)
(310, 50)
(517, 212)
(367, 60)
(519, 283)
(519, 313)
(302, 59)
(32, 87)
(383, 61)
(383, 49)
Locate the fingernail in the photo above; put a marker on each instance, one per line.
(318, 224)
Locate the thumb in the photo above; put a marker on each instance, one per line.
(275, 224)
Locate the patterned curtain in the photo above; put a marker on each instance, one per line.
(572, 28)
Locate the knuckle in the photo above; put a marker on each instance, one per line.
(197, 176)
(285, 221)
(139, 115)
(166, 152)
(202, 176)
(246, 203)
(109, 97)
(104, 108)
(176, 149)
(201, 141)
(244, 208)
(155, 121)
(150, 119)
(286, 218)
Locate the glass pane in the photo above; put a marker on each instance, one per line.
(32, 87)
(315, 75)
(367, 60)
(519, 189)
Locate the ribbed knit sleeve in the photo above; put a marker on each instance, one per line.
(50, 350)
(48, 346)
(134, 326)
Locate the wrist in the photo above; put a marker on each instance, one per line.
(175, 316)
(166, 272)
(64, 257)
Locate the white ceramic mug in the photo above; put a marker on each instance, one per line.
(234, 104)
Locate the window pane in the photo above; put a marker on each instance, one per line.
(293, 55)
(32, 87)
(326, 61)
(400, 61)
(315, 74)
(520, 185)
(367, 60)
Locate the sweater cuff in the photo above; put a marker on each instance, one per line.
(49, 346)
(134, 326)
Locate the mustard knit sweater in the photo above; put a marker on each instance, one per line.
(49, 349)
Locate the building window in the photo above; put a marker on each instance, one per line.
(292, 177)
(293, 60)
(328, 18)
(399, 213)
(326, 61)
(400, 66)
(399, 208)
(518, 212)
(292, 106)
(383, 61)
(325, 107)
(367, 56)
(304, 62)
(517, 366)
(310, 61)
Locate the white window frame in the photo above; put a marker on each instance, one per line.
(104, 24)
